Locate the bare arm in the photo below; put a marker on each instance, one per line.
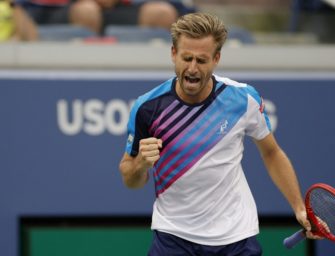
(26, 29)
(283, 175)
(134, 170)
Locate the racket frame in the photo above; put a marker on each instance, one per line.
(318, 228)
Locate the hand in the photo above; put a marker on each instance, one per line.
(323, 224)
(149, 151)
(302, 218)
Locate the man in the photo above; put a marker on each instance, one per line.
(85, 13)
(144, 13)
(190, 130)
(96, 15)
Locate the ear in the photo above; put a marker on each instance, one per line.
(173, 54)
(217, 57)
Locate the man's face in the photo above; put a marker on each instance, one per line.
(195, 61)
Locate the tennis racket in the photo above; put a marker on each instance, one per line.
(320, 208)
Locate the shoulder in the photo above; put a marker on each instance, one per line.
(153, 94)
(238, 87)
(156, 92)
(229, 82)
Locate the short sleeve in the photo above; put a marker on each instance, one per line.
(258, 123)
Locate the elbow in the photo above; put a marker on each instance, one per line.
(132, 179)
(134, 183)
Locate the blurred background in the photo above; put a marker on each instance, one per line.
(69, 74)
(259, 21)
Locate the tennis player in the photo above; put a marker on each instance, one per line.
(189, 130)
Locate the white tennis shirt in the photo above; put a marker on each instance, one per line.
(201, 191)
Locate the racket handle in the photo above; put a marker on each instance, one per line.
(294, 239)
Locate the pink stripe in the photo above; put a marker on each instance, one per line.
(161, 116)
(185, 169)
(175, 165)
(169, 120)
(188, 130)
(174, 154)
(177, 126)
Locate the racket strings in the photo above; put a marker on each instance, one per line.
(323, 204)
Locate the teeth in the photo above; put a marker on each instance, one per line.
(192, 79)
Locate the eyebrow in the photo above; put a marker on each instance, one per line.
(202, 56)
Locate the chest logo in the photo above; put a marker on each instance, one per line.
(223, 127)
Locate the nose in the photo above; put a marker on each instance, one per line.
(193, 67)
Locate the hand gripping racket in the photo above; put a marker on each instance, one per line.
(320, 208)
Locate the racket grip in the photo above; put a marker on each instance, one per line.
(294, 239)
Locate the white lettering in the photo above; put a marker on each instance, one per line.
(270, 108)
(65, 125)
(93, 112)
(93, 117)
(113, 108)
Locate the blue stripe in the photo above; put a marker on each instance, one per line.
(229, 110)
(185, 151)
(251, 90)
(219, 85)
(189, 159)
(196, 127)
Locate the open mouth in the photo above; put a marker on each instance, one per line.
(192, 79)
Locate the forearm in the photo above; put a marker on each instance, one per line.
(26, 29)
(283, 175)
(134, 170)
(133, 174)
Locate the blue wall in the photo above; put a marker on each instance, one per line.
(61, 140)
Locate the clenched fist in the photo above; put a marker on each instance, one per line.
(149, 151)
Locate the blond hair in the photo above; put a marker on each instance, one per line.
(199, 25)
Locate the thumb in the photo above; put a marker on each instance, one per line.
(302, 218)
(160, 143)
(307, 225)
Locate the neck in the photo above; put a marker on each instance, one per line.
(197, 98)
